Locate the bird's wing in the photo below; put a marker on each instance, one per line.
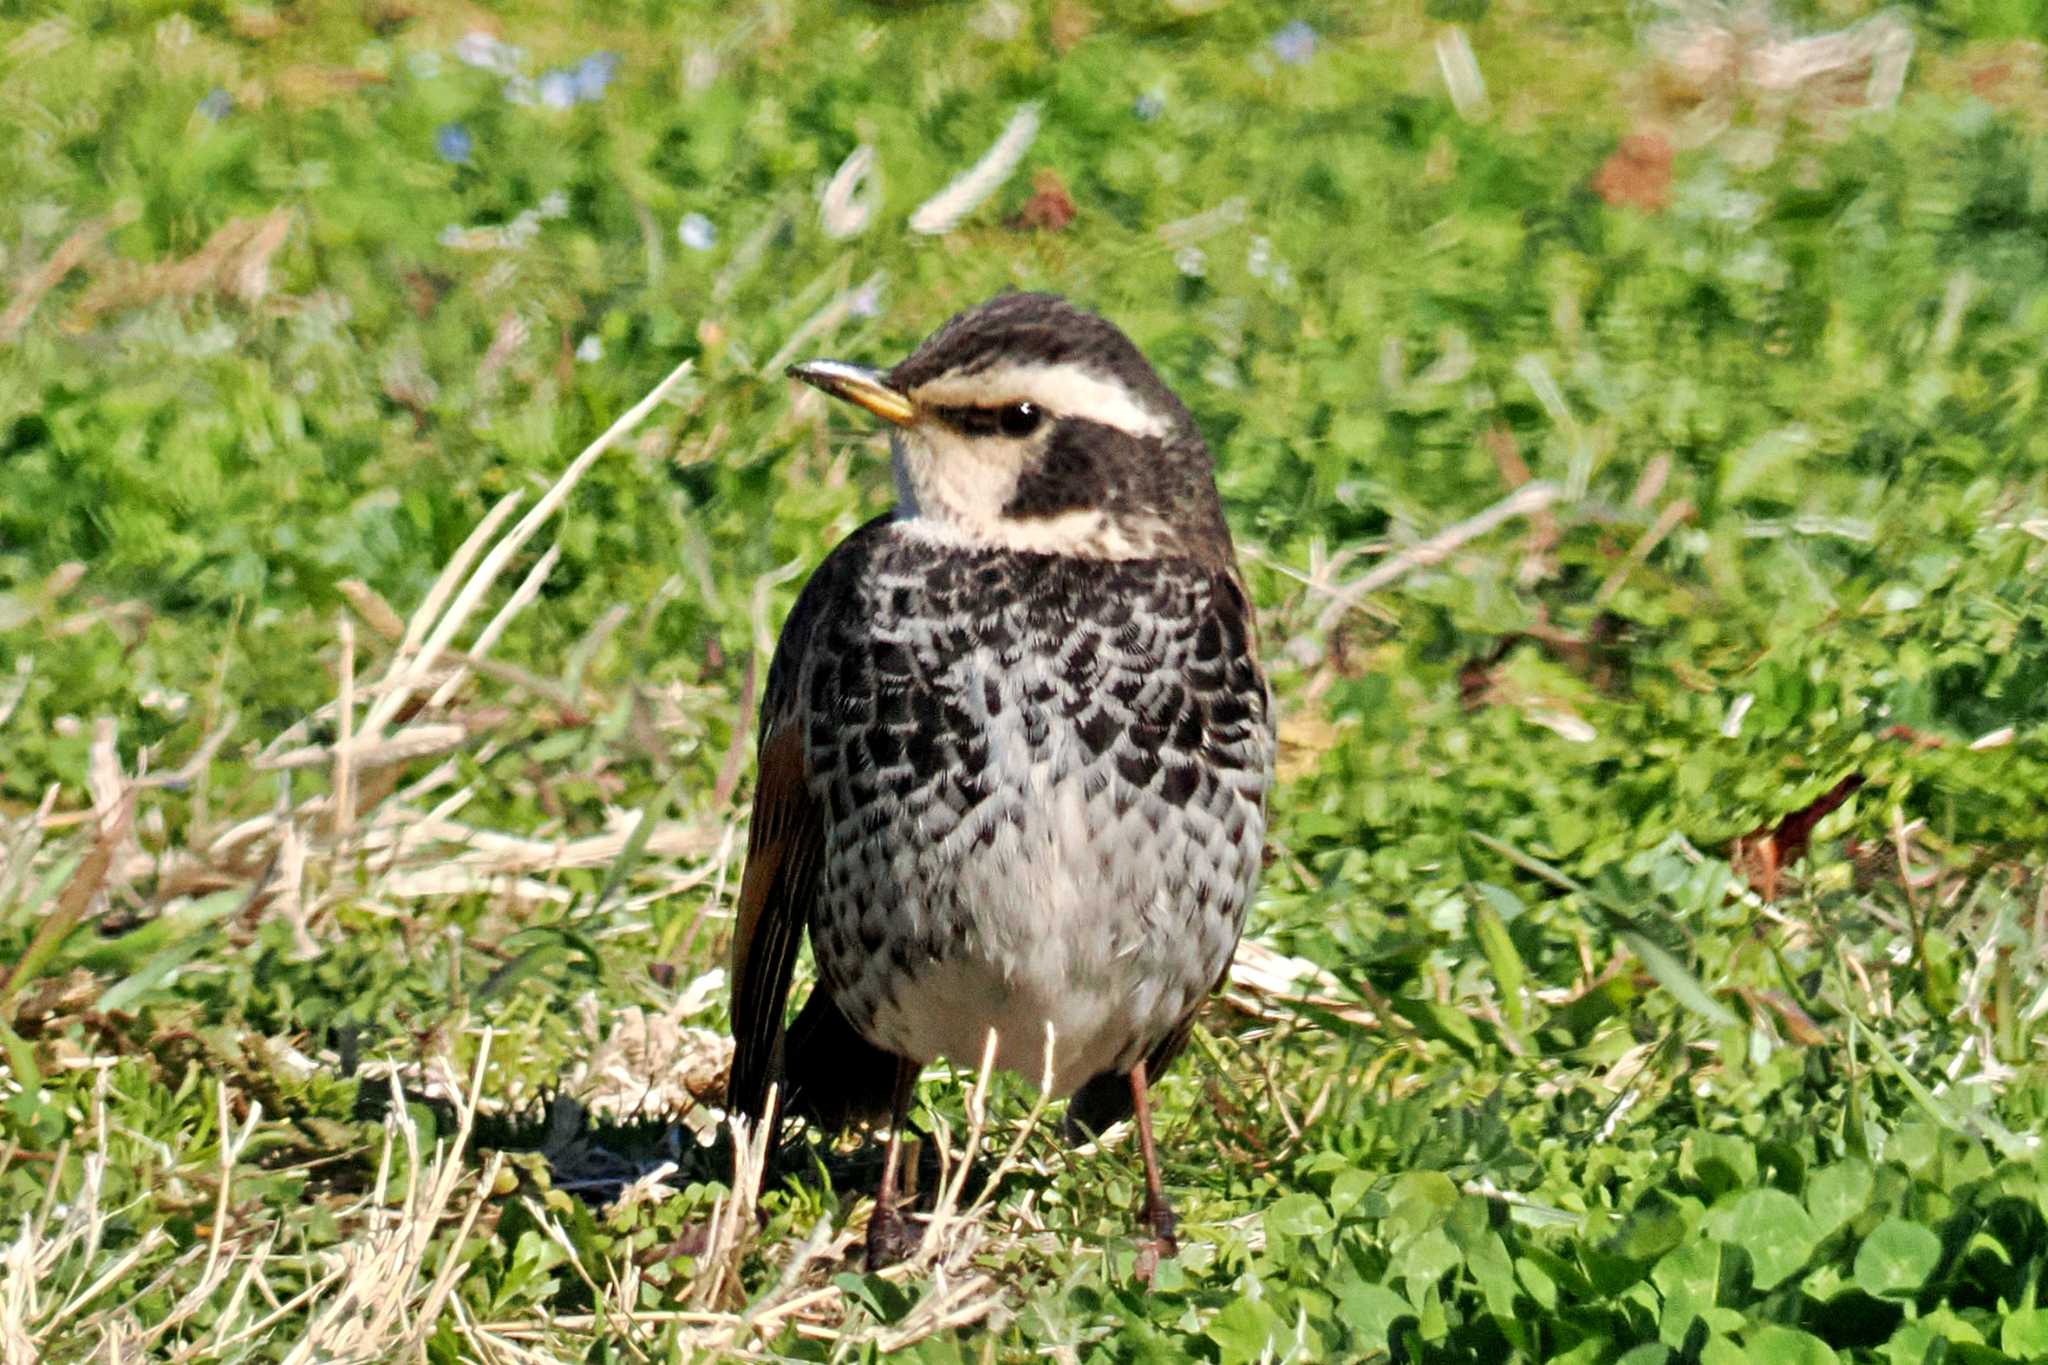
(786, 843)
(784, 850)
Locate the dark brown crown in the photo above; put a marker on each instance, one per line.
(1036, 329)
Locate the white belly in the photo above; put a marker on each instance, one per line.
(1094, 916)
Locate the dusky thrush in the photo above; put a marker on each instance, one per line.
(1015, 747)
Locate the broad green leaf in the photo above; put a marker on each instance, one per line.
(1836, 1194)
(1672, 975)
(1654, 1226)
(1245, 1330)
(1298, 1215)
(1776, 1232)
(21, 1060)
(1896, 1258)
(2025, 1334)
(1347, 1188)
(1369, 1311)
(1426, 1260)
(1722, 1162)
(1494, 1272)
(1505, 903)
(1722, 1351)
(1934, 1335)
(1775, 1345)
(1693, 1269)
(1421, 1199)
(887, 1301)
(1538, 1282)
(1669, 972)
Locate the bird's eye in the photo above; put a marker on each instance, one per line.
(1019, 419)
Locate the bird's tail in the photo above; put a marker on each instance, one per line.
(1101, 1101)
(831, 1074)
(1106, 1098)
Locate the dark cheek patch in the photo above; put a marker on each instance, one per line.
(1070, 475)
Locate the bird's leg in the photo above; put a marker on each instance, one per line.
(1157, 1214)
(889, 1237)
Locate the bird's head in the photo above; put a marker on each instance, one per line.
(1030, 424)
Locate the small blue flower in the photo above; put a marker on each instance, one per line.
(1295, 44)
(1149, 106)
(454, 144)
(217, 105)
(697, 232)
(594, 73)
(558, 89)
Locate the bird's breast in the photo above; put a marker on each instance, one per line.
(1044, 806)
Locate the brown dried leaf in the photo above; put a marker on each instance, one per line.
(1761, 853)
(1071, 22)
(1637, 174)
(1050, 208)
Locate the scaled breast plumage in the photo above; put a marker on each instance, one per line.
(1048, 762)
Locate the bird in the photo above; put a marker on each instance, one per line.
(1014, 751)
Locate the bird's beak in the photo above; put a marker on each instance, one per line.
(858, 384)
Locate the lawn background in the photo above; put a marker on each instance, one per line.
(1676, 371)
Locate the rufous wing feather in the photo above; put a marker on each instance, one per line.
(776, 890)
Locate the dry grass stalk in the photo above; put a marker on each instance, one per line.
(522, 597)
(944, 210)
(1717, 59)
(732, 1217)
(384, 1308)
(408, 667)
(69, 255)
(1527, 500)
(344, 742)
(50, 1276)
(716, 1321)
(234, 262)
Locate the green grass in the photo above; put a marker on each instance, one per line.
(1555, 1065)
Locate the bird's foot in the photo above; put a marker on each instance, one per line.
(890, 1239)
(1162, 1245)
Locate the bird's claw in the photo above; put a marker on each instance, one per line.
(1160, 1246)
(890, 1239)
